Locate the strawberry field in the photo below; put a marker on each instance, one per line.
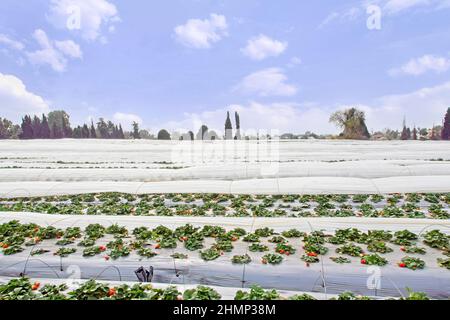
(333, 220)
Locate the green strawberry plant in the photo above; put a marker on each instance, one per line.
(201, 293)
(244, 259)
(271, 258)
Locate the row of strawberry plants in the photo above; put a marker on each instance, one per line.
(431, 198)
(238, 205)
(148, 242)
(24, 289)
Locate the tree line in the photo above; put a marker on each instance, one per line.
(56, 125)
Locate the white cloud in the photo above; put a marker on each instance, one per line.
(392, 7)
(201, 34)
(295, 61)
(11, 43)
(349, 14)
(127, 119)
(53, 53)
(419, 66)
(395, 6)
(69, 48)
(94, 15)
(16, 100)
(262, 47)
(388, 8)
(267, 82)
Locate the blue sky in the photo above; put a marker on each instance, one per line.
(283, 64)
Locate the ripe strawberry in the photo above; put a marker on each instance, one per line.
(402, 265)
(281, 251)
(5, 246)
(112, 292)
(102, 248)
(35, 286)
(403, 249)
(107, 258)
(363, 261)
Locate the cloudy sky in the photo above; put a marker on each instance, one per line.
(284, 64)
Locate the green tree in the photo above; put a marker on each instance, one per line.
(238, 126)
(102, 129)
(136, 134)
(27, 128)
(85, 132)
(37, 129)
(92, 132)
(202, 132)
(353, 122)
(163, 135)
(45, 128)
(8, 130)
(121, 135)
(445, 134)
(60, 124)
(228, 128)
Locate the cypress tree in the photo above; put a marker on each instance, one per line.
(27, 128)
(45, 129)
(93, 133)
(3, 133)
(238, 126)
(121, 134)
(136, 134)
(85, 132)
(228, 128)
(36, 125)
(446, 127)
(102, 129)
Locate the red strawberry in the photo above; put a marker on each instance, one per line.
(102, 248)
(112, 292)
(402, 265)
(107, 258)
(363, 261)
(35, 286)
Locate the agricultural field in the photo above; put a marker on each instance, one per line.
(314, 220)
